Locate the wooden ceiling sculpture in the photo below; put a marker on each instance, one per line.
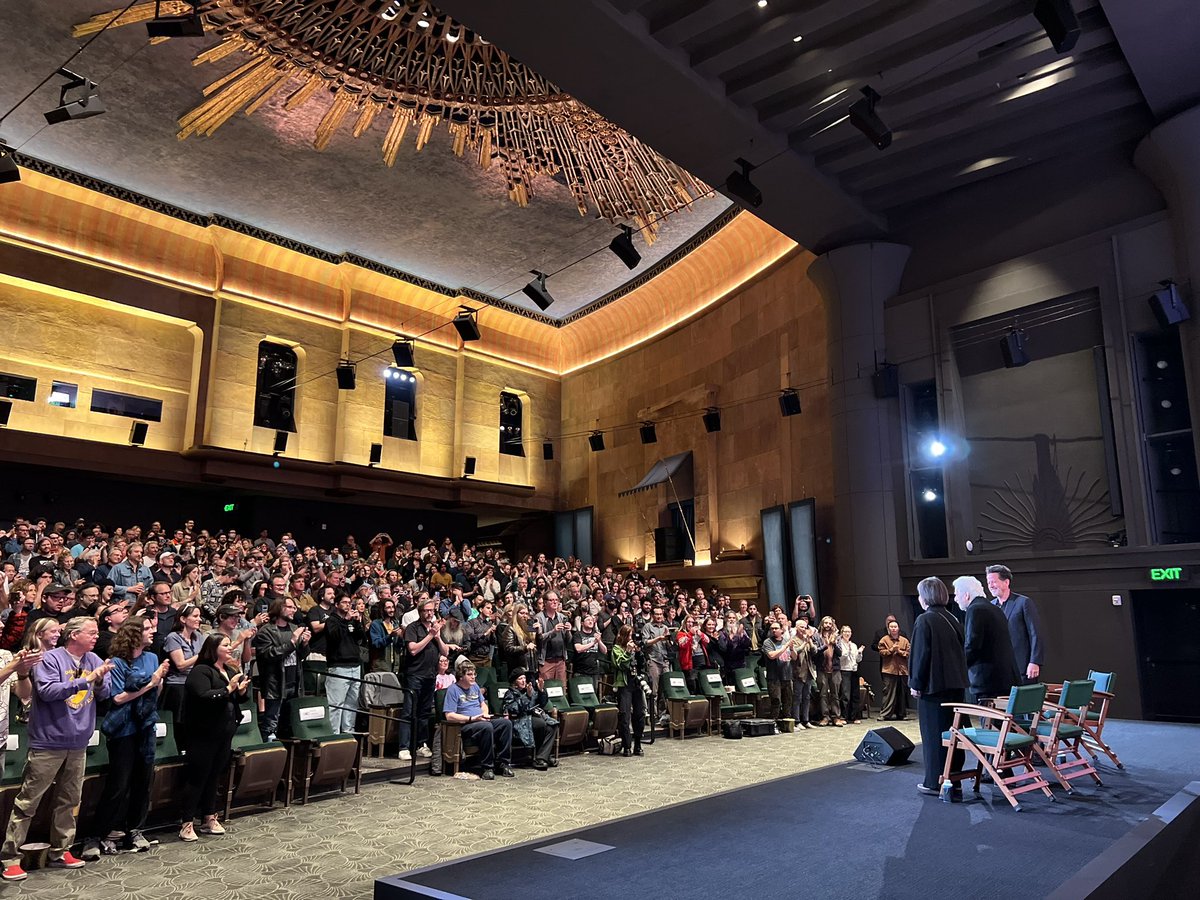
(405, 62)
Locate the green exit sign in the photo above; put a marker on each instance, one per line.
(1170, 573)
(230, 507)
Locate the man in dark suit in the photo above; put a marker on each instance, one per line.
(1024, 626)
(937, 674)
(991, 666)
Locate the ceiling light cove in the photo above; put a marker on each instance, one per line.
(412, 68)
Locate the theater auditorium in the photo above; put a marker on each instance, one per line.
(531, 449)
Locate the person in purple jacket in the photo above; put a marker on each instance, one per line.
(66, 684)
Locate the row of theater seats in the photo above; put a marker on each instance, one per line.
(584, 718)
(308, 758)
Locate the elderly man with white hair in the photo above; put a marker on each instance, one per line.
(991, 665)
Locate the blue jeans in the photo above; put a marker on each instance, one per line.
(343, 692)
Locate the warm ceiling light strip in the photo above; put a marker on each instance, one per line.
(499, 111)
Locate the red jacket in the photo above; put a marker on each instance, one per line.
(684, 639)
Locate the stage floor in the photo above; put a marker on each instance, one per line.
(846, 830)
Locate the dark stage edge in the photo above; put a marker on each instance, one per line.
(841, 831)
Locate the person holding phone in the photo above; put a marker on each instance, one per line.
(212, 705)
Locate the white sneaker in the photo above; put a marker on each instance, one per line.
(405, 756)
(424, 752)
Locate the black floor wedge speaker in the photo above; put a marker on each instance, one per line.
(884, 747)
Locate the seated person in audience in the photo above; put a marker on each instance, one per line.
(525, 705)
(466, 705)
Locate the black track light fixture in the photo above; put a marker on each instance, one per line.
(865, 119)
(622, 246)
(9, 171)
(402, 353)
(76, 100)
(466, 324)
(739, 184)
(175, 26)
(537, 291)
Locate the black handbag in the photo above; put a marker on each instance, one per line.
(731, 729)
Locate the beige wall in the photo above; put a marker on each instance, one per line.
(53, 335)
(768, 334)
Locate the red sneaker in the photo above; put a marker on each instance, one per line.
(67, 861)
(14, 873)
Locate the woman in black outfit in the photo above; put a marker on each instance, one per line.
(212, 706)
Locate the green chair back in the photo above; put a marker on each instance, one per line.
(97, 753)
(711, 685)
(308, 719)
(746, 682)
(166, 748)
(247, 736)
(439, 702)
(485, 677)
(1103, 681)
(17, 749)
(556, 693)
(582, 692)
(495, 697)
(1076, 694)
(674, 686)
(1026, 700)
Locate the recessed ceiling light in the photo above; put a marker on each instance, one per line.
(762, 4)
(797, 39)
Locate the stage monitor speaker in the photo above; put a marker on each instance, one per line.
(1012, 346)
(376, 454)
(886, 382)
(884, 747)
(1168, 307)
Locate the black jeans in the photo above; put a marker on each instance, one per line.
(631, 714)
(126, 788)
(494, 740)
(418, 707)
(544, 732)
(207, 759)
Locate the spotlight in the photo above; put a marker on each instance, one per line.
(468, 467)
(77, 99)
(937, 448)
(622, 246)
(186, 25)
(712, 419)
(596, 441)
(740, 185)
(466, 324)
(402, 352)
(789, 402)
(9, 172)
(137, 433)
(537, 291)
(1057, 17)
(376, 454)
(281, 439)
(547, 450)
(1012, 346)
(864, 118)
(929, 495)
(648, 433)
(346, 375)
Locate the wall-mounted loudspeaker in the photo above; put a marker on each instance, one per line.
(1168, 306)
(468, 466)
(281, 439)
(885, 382)
(548, 450)
(1013, 347)
(137, 433)
(5, 411)
(376, 454)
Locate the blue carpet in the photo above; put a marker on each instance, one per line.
(849, 831)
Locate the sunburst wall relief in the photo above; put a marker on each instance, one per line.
(405, 63)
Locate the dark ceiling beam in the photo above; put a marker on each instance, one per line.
(690, 19)
(1162, 46)
(931, 24)
(611, 63)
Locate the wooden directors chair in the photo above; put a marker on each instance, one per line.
(1061, 738)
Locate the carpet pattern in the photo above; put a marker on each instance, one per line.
(336, 847)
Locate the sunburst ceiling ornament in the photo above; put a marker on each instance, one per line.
(407, 64)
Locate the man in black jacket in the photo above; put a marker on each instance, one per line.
(279, 647)
(991, 665)
(937, 674)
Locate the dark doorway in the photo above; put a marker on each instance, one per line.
(1167, 637)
